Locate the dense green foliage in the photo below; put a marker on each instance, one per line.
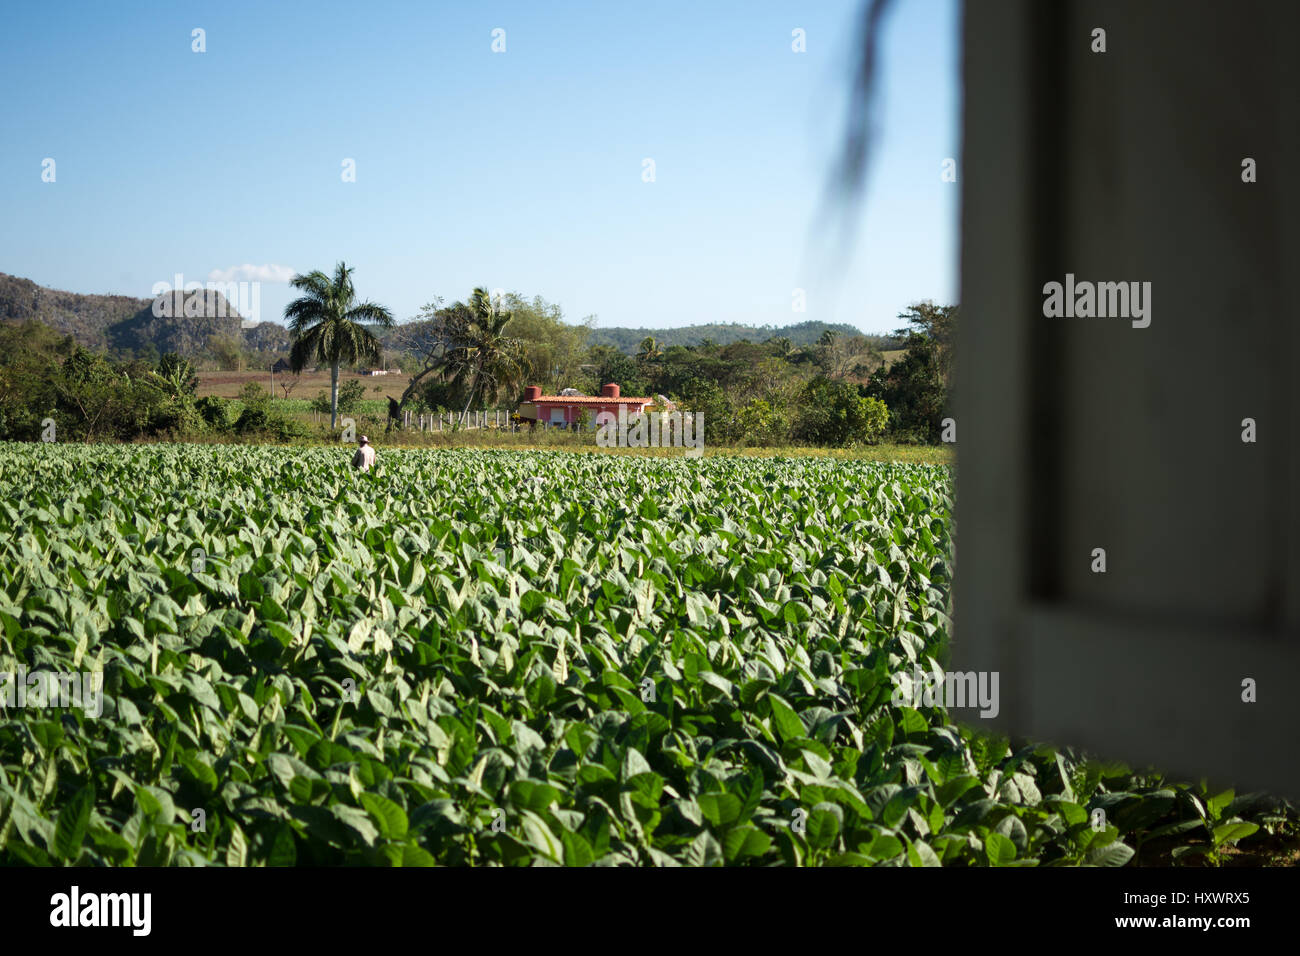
(771, 393)
(915, 389)
(259, 417)
(788, 389)
(53, 388)
(352, 395)
(808, 333)
(446, 661)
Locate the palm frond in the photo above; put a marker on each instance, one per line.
(325, 321)
(370, 312)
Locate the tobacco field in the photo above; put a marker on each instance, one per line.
(476, 657)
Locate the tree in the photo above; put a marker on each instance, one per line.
(721, 424)
(782, 345)
(465, 346)
(253, 394)
(351, 394)
(649, 350)
(326, 326)
(846, 356)
(178, 376)
(148, 353)
(30, 358)
(553, 350)
(423, 347)
(915, 388)
(607, 364)
(227, 352)
(937, 323)
(481, 355)
(762, 424)
(834, 413)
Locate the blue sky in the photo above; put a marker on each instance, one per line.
(520, 170)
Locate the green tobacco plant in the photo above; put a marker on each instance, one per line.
(634, 661)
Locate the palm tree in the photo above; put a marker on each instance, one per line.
(325, 326)
(479, 353)
(649, 350)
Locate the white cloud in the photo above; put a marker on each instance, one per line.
(252, 273)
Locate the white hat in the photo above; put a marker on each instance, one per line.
(364, 440)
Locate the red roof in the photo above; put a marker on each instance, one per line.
(590, 400)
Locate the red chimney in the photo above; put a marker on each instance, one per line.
(609, 391)
(532, 393)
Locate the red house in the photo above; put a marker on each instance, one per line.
(565, 409)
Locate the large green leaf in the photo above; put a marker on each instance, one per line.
(71, 825)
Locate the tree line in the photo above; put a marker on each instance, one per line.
(480, 353)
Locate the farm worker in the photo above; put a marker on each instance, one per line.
(365, 456)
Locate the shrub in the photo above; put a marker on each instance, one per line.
(762, 424)
(836, 414)
(254, 394)
(351, 394)
(213, 411)
(257, 419)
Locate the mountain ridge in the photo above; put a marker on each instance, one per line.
(128, 326)
(124, 325)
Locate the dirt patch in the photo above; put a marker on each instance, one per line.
(229, 384)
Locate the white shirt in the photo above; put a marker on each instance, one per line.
(364, 458)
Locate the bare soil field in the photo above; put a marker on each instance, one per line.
(229, 384)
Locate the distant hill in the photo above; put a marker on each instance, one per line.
(85, 317)
(805, 333)
(127, 326)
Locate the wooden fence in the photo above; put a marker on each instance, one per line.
(428, 421)
(431, 422)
